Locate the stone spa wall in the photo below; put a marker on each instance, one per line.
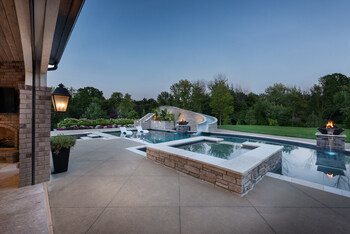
(229, 180)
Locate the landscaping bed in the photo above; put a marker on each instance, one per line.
(76, 124)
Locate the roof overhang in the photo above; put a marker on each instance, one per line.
(67, 16)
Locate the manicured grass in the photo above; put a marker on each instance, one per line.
(308, 133)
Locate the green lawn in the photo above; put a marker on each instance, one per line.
(308, 133)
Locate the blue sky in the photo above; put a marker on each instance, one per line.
(143, 46)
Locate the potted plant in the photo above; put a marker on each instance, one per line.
(60, 148)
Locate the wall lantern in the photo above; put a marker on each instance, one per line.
(60, 98)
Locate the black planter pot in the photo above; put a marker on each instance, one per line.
(60, 160)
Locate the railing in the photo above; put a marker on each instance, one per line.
(141, 122)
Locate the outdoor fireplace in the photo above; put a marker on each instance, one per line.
(8, 145)
(329, 137)
(7, 138)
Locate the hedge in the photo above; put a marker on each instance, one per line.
(75, 124)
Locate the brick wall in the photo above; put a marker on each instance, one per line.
(42, 135)
(11, 75)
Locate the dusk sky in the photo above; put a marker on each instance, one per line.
(143, 46)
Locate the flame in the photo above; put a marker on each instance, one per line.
(330, 175)
(182, 120)
(330, 124)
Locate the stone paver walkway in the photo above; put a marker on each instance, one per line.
(109, 189)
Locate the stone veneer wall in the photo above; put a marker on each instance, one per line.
(161, 125)
(226, 179)
(323, 140)
(42, 135)
(191, 117)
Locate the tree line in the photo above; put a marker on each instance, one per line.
(281, 105)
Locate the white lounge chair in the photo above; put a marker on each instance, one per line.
(140, 130)
(125, 132)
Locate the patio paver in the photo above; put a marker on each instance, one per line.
(222, 220)
(127, 193)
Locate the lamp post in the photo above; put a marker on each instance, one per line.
(60, 99)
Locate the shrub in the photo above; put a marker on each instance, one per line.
(273, 122)
(71, 123)
(347, 119)
(250, 117)
(227, 120)
(133, 115)
(284, 117)
(163, 115)
(61, 141)
(94, 111)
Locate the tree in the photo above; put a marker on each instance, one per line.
(126, 105)
(181, 92)
(240, 105)
(94, 111)
(277, 94)
(165, 99)
(133, 115)
(221, 101)
(114, 103)
(331, 85)
(82, 99)
(219, 79)
(145, 106)
(199, 97)
(316, 102)
(250, 116)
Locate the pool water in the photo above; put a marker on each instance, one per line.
(155, 136)
(224, 150)
(310, 164)
(301, 162)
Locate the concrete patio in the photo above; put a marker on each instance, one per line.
(109, 189)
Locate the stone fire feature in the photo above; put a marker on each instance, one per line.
(238, 175)
(331, 142)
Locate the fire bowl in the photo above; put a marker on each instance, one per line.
(182, 122)
(331, 131)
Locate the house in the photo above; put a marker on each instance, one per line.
(33, 37)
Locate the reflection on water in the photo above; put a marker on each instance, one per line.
(157, 136)
(318, 166)
(219, 150)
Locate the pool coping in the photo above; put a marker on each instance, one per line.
(237, 164)
(289, 179)
(274, 139)
(310, 184)
(238, 174)
(303, 142)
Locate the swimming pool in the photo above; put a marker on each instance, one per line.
(155, 137)
(224, 150)
(300, 161)
(308, 163)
